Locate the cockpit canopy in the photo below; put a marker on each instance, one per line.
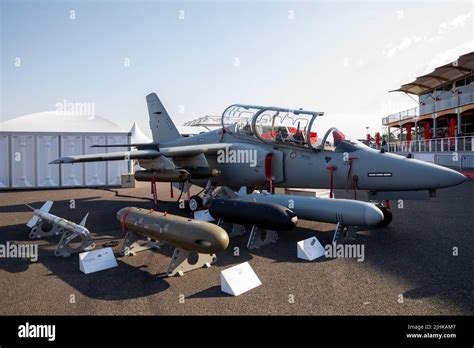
(272, 124)
(292, 127)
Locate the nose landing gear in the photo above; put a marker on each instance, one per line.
(387, 215)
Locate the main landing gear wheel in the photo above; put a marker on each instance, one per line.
(195, 202)
(387, 217)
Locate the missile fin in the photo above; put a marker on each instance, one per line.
(47, 206)
(32, 221)
(83, 221)
(242, 191)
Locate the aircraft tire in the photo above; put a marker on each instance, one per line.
(195, 202)
(387, 217)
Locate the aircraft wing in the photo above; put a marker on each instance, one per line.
(111, 156)
(192, 150)
(174, 151)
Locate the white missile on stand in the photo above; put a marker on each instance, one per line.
(44, 224)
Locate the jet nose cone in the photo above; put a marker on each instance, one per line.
(446, 177)
(456, 178)
(373, 215)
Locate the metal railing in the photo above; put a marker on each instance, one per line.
(402, 115)
(434, 145)
(439, 105)
(463, 163)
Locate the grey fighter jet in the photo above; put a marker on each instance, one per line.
(261, 146)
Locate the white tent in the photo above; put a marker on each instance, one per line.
(60, 121)
(137, 135)
(28, 143)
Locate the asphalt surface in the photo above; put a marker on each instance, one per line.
(409, 267)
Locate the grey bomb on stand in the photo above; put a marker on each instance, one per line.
(264, 215)
(185, 233)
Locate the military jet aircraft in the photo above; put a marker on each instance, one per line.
(275, 147)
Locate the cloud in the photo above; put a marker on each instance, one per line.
(448, 56)
(400, 15)
(443, 29)
(453, 24)
(352, 62)
(406, 43)
(345, 62)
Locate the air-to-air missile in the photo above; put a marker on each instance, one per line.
(187, 235)
(264, 215)
(345, 211)
(45, 224)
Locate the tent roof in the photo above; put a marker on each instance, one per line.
(60, 122)
(137, 135)
(463, 66)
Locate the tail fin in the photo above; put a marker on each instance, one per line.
(161, 125)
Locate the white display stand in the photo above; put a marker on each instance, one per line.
(239, 279)
(97, 260)
(310, 249)
(203, 215)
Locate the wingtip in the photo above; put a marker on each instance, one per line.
(62, 160)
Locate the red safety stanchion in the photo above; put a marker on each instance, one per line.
(356, 181)
(222, 135)
(331, 187)
(268, 171)
(349, 172)
(122, 222)
(153, 191)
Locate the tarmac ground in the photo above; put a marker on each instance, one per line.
(421, 264)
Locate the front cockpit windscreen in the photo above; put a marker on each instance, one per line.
(238, 119)
(335, 140)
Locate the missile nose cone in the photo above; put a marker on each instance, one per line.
(373, 215)
(293, 217)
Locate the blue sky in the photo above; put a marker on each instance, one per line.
(340, 57)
